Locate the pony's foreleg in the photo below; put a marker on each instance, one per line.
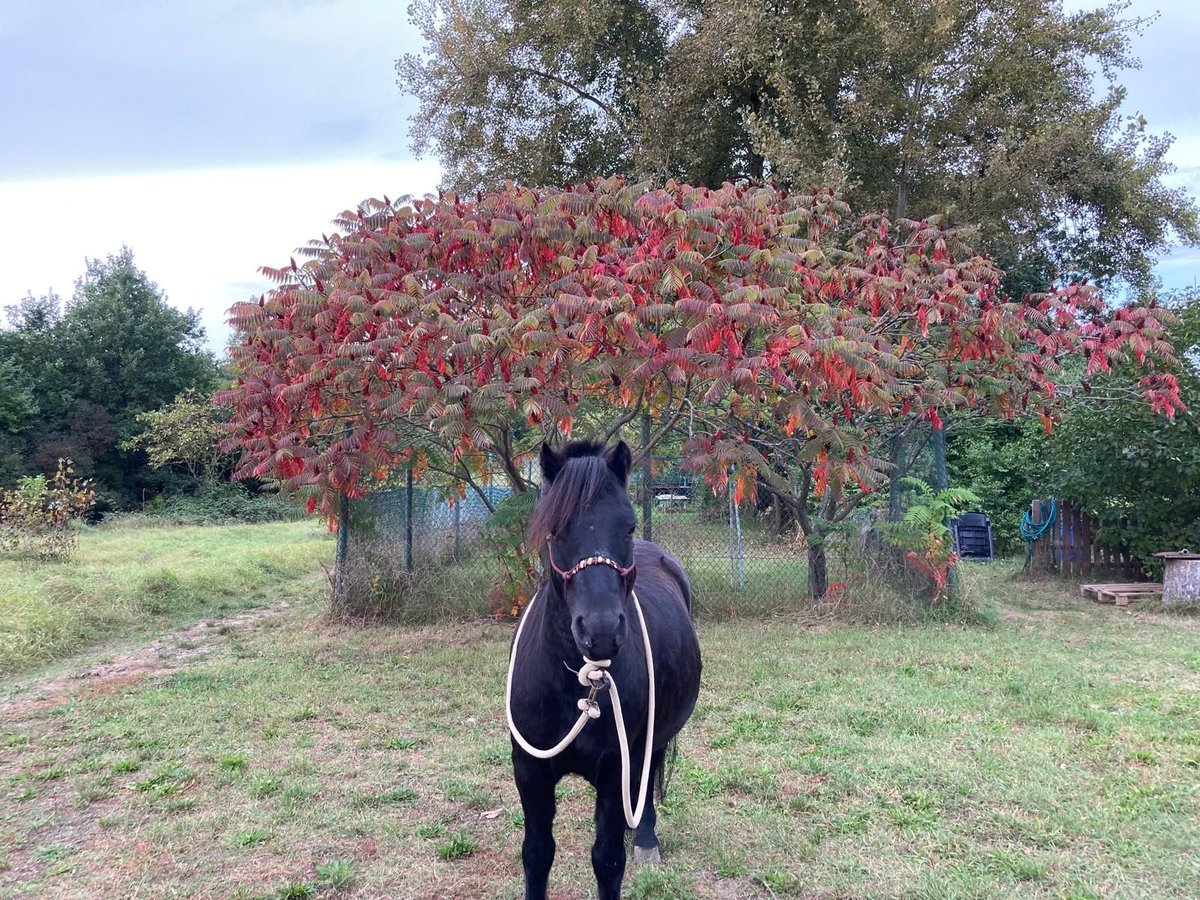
(645, 840)
(535, 784)
(608, 853)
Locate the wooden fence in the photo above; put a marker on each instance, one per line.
(1072, 548)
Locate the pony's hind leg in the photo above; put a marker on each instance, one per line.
(645, 840)
(535, 784)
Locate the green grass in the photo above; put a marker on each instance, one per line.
(1055, 753)
(131, 579)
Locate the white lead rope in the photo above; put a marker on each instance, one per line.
(594, 671)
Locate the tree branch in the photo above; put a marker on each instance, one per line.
(465, 477)
(851, 505)
(505, 451)
(669, 424)
(624, 419)
(584, 95)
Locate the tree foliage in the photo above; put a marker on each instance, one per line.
(128, 349)
(1007, 464)
(924, 535)
(451, 331)
(1137, 472)
(186, 433)
(81, 375)
(982, 111)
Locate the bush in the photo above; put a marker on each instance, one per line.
(378, 587)
(37, 517)
(221, 504)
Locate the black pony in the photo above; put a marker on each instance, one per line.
(584, 524)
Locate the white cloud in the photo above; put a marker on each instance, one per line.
(202, 235)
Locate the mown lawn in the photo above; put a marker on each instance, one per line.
(136, 578)
(1054, 754)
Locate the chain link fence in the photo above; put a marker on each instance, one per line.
(437, 555)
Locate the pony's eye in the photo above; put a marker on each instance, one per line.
(633, 528)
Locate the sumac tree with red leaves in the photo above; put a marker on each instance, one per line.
(451, 332)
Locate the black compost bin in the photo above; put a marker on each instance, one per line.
(973, 536)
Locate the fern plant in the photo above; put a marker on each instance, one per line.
(923, 533)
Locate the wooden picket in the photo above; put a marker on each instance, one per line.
(1072, 548)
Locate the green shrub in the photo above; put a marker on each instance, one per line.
(221, 504)
(37, 517)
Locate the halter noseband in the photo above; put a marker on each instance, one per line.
(622, 571)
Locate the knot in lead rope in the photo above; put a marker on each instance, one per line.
(594, 676)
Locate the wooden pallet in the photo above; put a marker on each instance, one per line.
(1120, 594)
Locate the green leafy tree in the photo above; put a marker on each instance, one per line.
(85, 372)
(1138, 473)
(185, 434)
(130, 350)
(982, 111)
(1007, 465)
(17, 406)
(28, 351)
(17, 409)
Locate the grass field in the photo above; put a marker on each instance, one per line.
(1054, 754)
(135, 578)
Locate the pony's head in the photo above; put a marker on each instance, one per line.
(584, 524)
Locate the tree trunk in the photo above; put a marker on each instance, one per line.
(757, 161)
(818, 569)
(895, 509)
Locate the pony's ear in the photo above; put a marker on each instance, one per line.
(551, 463)
(620, 461)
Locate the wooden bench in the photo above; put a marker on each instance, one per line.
(1120, 594)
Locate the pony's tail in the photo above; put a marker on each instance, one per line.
(670, 753)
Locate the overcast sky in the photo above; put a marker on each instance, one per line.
(215, 136)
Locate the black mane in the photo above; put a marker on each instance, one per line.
(583, 476)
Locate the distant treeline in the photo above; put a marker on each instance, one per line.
(75, 376)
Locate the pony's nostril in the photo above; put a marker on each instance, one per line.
(620, 620)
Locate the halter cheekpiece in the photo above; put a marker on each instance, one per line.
(597, 560)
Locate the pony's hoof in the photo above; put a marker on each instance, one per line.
(646, 855)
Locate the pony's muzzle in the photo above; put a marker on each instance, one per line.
(600, 635)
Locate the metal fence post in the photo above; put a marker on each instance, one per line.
(729, 491)
(741, 553)
(343, 534)
(458, 528)
(647, 482)
(343, 537)
(408, 521)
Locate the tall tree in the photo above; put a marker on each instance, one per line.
(982, 111)
(130, 350)
(118, 349)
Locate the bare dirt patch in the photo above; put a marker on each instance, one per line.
(161, 656)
